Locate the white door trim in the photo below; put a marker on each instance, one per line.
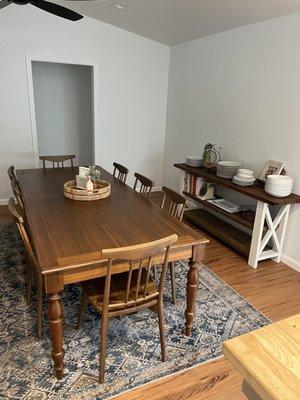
(95, 85)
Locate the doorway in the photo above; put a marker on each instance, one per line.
(62, 100)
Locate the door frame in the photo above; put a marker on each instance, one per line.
(95, 96)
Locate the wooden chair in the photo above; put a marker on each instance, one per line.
(31, 261)
(117, 294)
(17, 192)
(11, 172)
(175, 207)
(122, 172)
(57, 161)
(146, 184)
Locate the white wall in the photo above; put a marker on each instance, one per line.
(63, 108)
(133, 79)
(240, 89)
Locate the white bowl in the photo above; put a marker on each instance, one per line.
(245, 171)
(243, 183)
(279, 178)
(193, 161)
(242, 179)
(277, 194)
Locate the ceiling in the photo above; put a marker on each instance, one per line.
(176, 21)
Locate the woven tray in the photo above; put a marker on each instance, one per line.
(101, 190)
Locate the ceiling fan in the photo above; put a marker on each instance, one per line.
(46, 6)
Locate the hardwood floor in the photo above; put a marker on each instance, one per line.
(272, 288)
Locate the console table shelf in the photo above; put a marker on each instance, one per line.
(228, 234)
(268, 230)
(236, 217)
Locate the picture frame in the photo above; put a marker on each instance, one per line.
(81, 182)
(84, 171)
(271, 167)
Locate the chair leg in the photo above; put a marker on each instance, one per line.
(39, 315)
(160, 313)
(29, 284)
(173, 285)
(104, 328)
(84, 302)
(155, 272)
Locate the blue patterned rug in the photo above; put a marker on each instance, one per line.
(133, 350)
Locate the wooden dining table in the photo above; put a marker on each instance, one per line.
(68, 237)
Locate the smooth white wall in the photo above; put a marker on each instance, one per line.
(133, 79)
(63, 109)
(241, 90)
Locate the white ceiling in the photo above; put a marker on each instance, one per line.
(175, 21)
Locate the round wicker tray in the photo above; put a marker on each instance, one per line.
(101, 190)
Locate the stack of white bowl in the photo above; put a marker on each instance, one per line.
(279, 185)
(193, 161)
(244, 177)
(227, 169)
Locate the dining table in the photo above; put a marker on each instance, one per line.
(68, 237)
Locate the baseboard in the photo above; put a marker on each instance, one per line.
(291, 262)
(3, 202)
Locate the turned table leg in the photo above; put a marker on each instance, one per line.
(55, 320)
(192, 285)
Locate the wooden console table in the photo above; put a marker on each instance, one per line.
(265, 229)
(268, 360)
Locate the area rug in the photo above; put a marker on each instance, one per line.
(133, 350)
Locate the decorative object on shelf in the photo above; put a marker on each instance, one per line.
(102, 190)
(279, 185)
(193, 161)
(271, 168)
(244, 177)
(227, 169)
(225, 205)
(207, 191)
(211, 155)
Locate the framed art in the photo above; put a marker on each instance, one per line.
(271, 168)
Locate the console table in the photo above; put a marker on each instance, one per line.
(268, 232)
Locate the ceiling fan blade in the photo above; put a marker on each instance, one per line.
(56, 9)
(4, 3)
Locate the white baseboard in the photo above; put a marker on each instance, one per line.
(3, 202)
(291, 262)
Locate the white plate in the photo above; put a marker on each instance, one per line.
(229, 164)
(239, 178)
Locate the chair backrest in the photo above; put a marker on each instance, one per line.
(11, 172)
(146, 184)
(120, 172)
(176, 202)
(57, 161)
(18, 218)
(140, 258)
(17, 192)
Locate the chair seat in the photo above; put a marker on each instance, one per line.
(94, 290)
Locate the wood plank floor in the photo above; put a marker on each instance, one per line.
(272, 288)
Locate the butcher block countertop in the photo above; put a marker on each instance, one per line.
(269, 359)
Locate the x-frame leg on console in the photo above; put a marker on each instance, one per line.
(275, 232)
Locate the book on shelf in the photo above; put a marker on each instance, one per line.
(192, 184)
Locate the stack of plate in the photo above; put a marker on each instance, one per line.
(227, 169)
(244, 177)
(279, 185)
(193, 161)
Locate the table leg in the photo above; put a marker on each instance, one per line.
(55, 320)
(192, 285)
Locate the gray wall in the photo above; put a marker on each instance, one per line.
(63, 106)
